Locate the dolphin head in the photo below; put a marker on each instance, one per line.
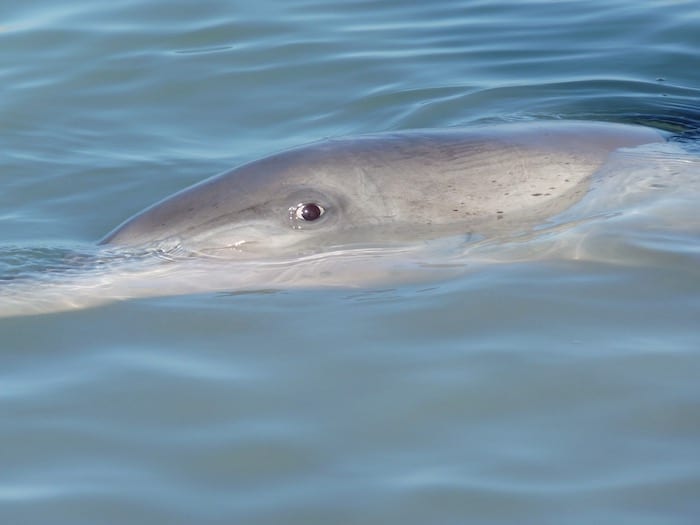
(386, 188)
(297, 199)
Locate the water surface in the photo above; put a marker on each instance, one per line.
(549, 390)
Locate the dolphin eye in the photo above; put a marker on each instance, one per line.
(308, 211)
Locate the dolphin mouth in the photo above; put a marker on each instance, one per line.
(236, 250)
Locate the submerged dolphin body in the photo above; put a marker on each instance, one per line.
(385, 187)
(360, 211)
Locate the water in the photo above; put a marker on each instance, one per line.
(558, 390)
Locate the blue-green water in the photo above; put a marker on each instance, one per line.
(549, 391)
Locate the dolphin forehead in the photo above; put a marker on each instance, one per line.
(465, 177)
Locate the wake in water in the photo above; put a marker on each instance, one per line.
(641, 209)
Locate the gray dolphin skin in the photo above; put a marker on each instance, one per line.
(403, 185)
(371, 211)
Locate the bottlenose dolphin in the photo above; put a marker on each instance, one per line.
(383, 187)
(340, 212)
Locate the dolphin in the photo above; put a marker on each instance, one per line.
(386, 187)
(340, 212)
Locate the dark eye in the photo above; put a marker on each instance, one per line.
(308, 211)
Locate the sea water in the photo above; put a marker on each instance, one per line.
(541, 390)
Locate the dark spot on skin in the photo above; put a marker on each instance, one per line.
(536, 194)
